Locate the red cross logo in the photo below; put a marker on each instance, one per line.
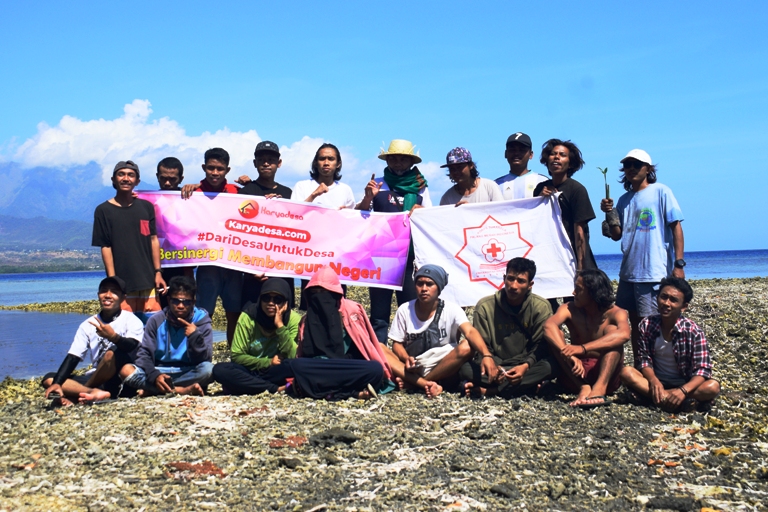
(494, 250)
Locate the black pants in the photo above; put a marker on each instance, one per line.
(334, 379)
(539, 372)
(239, 380)
(381, 302)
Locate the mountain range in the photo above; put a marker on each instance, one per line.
(52, 193)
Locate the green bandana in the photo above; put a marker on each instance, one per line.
(407, 185)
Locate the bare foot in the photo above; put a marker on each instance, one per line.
(399, 384)
(94, 395)
(368, 393)
(62, 402)
(140, 393)
(470, 391)
(433, 389)
(584, 393)
(193, 389)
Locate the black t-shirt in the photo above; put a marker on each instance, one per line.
(389, 201)
(255, 189)
(576, 207)
(128, 231)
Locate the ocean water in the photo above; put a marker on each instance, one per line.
(33, 343)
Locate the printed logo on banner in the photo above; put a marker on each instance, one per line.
(488, 247)
(248, 209)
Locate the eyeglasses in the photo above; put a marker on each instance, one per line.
(633, 164)
(181, 302)
(278, 300)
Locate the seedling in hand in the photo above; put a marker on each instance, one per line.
(607, 186)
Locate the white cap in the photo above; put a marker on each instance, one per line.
(639, 154)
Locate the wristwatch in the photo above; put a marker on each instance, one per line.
(680, 263)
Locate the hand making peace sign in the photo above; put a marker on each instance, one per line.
(104, 330)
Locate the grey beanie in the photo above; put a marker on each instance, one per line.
(435, 273)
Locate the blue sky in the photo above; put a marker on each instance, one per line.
(688, 82)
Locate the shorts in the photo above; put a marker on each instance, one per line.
(638, 298)
(142, 303)
(214, 282)
(670, 382)
(432, 357)
(592, 372)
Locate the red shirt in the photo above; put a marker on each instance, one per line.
(227, 187)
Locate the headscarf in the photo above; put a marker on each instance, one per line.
(407, 185)
(272, 285)
(323, 333)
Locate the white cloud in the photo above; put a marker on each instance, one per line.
(134, 136)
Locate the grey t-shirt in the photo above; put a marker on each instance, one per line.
(486, 191)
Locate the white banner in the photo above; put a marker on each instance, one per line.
(474, 242)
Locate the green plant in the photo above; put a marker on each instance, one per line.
(607, 186)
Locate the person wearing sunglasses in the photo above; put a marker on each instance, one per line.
(265, 336)
(647, 219)
(175, 354)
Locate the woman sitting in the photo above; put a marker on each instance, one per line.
(265, 336)
(339, 356)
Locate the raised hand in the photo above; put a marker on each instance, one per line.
(372, 188)
(104, 330)
(243, 180)
(282, 308)
(320, 190)
(189, 327)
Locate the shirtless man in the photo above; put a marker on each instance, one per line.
(591, 363)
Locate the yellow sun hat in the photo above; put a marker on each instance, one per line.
(401, 147)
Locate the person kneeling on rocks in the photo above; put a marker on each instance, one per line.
(264, 337)
(511, 323)
(591, 363)
(338, 355)
(425, 335)
(110, 339)
(175, 354)
(675, 367)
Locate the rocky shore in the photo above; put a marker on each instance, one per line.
(402, 451)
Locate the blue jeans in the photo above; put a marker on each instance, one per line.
(201, 373)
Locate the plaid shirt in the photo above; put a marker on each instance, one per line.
(689, 346)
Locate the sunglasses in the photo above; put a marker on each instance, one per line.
(633, 164)
(277, 300)
(181, 302)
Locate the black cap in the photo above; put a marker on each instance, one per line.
(114, 279)
(126, 164)
(266, 146)
(519, 138)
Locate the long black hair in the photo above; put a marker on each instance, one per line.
(314, 172)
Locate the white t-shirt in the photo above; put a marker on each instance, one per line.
(664, 364)
(87, 342)
(487, 190)
(338, 195)
(409, 330)
(519, 187)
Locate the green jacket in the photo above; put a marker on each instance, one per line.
(254, 349)
(494, 319)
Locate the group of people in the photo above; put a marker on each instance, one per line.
(513, 346)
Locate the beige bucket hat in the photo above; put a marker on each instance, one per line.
(401, 147)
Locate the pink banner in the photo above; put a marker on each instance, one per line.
(278, 237)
